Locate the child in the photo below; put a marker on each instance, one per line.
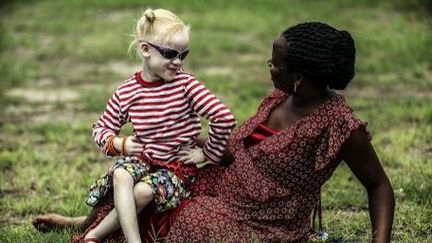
(163, 103)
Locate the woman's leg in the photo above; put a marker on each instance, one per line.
(141, 196)
(49, 222)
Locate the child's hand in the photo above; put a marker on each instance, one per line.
(192, 155)
(131, 146)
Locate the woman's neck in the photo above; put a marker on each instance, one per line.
(311, 98)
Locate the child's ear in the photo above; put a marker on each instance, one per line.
(144, 49)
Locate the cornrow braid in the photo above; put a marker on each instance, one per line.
(322, 53)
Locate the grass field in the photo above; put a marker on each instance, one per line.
(61, 60)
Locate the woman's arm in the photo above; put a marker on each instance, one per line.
(360, 156)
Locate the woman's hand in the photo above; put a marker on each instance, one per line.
(128, 146)
(192, 155)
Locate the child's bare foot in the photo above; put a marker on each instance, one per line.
(50, 222)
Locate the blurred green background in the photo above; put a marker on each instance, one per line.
(61, 60)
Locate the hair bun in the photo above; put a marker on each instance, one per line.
(343, 60)
(326, 55)
(150, 15)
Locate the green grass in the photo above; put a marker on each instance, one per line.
(61, 60)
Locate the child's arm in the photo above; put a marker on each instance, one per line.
(221, 120)
(109, 124)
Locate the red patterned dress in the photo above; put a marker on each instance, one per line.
(270, 190)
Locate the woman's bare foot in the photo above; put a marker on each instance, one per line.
(50, 222)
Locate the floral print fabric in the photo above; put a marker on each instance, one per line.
(270, 190)
(168, 189)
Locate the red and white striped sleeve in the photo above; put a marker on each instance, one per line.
(109, 123)
(221, 120)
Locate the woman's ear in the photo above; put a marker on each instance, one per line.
(145, 50)
(298, 77)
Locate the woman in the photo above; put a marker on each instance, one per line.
(283, 154)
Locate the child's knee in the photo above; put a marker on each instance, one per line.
(143, 194)
(121, 175)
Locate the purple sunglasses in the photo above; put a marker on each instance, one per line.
(169, 53)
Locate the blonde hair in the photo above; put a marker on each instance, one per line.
(157, 26)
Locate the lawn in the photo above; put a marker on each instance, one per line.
(61, 60)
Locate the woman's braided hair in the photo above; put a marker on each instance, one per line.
(322, 53)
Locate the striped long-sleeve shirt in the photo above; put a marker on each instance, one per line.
(165, 116)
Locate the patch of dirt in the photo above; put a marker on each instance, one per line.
(10, 219)
(123, 68)
(44, 95)
(214, 70)
(402, 91)
(46, 100)
(64, 117)
(47, 113)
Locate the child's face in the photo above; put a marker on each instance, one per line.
(163, 67)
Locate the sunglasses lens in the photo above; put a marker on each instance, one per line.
(184, 54)
(170, 54)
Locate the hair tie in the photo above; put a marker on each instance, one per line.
(150, 16)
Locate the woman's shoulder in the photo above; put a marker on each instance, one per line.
(337, 107)
(271, 98)
(341, 116)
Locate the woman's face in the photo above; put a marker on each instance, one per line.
(165, 68)
(281, 77)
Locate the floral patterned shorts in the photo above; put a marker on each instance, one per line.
(168, 189)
